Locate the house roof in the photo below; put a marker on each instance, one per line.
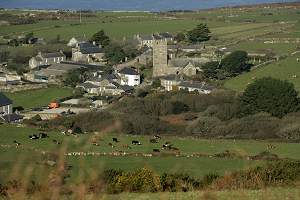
(12, 117)
(88, 85)
(171, 77)
(195, 84)
(146, 37)
(4, 100)
(166, 35)
(128, 71)
(53, 55)
(88, 48)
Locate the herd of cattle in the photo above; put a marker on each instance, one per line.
(156, 139)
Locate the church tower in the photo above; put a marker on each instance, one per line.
(160, 57)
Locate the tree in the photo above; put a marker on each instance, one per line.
(100, 38)
(179, 37)
(235, 63)
(114, 54)
(210, 69)
(270, 95)
(200, 34)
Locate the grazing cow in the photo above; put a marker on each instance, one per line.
(43, 135)
(17, 143)
(174, 149)
(157, 137)
(33, 137)
(156, 150)
(56, 142)
(111, 145)
(153, 141)
(135, 142)
(115, 140)
(95, 144)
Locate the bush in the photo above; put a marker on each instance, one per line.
(270, 95)
(290, 132)
(178, 183)
(272, 174)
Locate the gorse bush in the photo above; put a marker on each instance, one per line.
(272, 174)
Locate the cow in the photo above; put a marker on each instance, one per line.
(111, 145)
(135, 142)
(156, 150)
(33, 137)
(17, 143)
(43, 135)
(115, 140)
(157, 137)
(56, 142)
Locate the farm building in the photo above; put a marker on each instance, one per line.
(88, 53)
(46, 59)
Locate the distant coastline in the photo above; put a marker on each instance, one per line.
(164, 5)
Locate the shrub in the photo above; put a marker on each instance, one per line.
(178, 183)
(290, 132)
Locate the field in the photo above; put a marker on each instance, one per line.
(30, 155)
(285, 69)
(266, 194)
(39, 97)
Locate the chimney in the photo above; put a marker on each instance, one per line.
(94, 43)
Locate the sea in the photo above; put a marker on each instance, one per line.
(130, 5)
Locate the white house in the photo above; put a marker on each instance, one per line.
(194, 86)
(129, 77)
(44, 59)
(6, 107)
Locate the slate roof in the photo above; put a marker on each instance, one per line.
(166, 35)
(128, 71)
(88, 85)
(88, 48)
(53, 55)
(12, 117)
(195, 84)
(146, 37)
(4, 100)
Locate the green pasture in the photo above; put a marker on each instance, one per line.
(265, 194)
(260, 46)
(285, 69)
(39, 97)
(29, 156)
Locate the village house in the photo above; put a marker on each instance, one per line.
(147, 40)
(170, 82)
(88, 53)
(129, 77)
(46, 59)
(194, 86)
(105, 85)
(6, 105)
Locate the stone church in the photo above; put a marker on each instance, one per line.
(163, 65)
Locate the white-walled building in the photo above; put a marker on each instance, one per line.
(6, 105)
(129, 77)
(44, 59)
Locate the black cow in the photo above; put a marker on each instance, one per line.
(56, 142)
(157, 137)
(43, 135)
(33, 137)
(135, 142)
(156, 150)
(115, 140)
(17, 143)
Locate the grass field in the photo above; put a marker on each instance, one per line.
(284, 70)
(29, 155)
(266, 194)
(37, 98)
